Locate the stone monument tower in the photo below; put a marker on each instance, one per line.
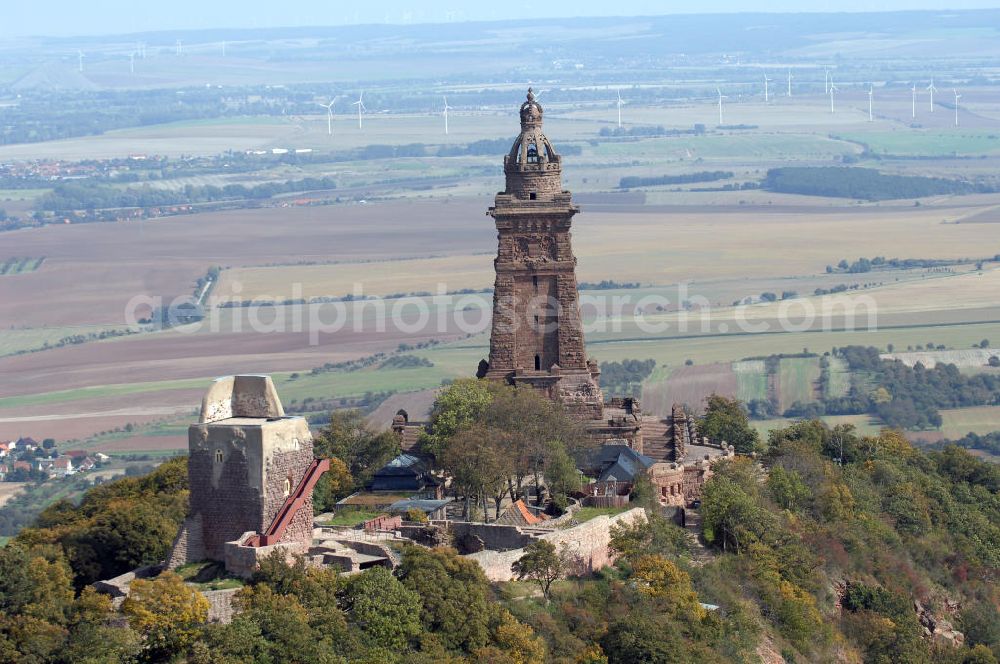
(537, 335)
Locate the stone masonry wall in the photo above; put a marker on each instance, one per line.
(587, 544)
(228, 509)
(289, 465)
(221, 607)
(188, 546)
(496, 537)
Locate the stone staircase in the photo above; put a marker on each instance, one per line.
(655, 441)
(700, 554)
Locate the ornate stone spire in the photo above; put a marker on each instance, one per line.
(532, 166)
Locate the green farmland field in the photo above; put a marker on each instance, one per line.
(930, 144)
(751, 380)
(797, 378)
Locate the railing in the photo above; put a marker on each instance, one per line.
(291, 505)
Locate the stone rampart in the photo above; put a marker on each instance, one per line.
(586, 545)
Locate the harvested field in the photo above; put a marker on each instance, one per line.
(417, 405)
(178, 356)
(961, 421)
(8, 490)
(92, 270)
(963, 359)
(432, 275)
(691, 386)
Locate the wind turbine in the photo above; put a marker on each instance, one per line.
(79, 59)
(446, 109)
(932, 90)
(957, 97)
(871, 100)
(832, 88)
(913, 103)
(361, 106)
(826, 82)
(223, 48)
(329, 115)
(767, 96)
(620, 102)
(721, 97)
(789, 82)
(179, 47)
(131, 62)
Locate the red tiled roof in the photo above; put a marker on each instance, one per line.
(518, 514)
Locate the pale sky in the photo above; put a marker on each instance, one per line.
(92, 17)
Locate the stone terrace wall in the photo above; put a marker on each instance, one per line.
(494, 537)
(586, 543)
(220, 604)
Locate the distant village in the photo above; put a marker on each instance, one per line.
(27, 460)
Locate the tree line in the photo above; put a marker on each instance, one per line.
(75, 196)
(625, 377)
(632, 181)
(902, 396)
(863, 183)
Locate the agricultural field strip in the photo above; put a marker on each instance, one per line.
(797, 379)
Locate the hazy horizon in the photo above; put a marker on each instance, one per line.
(61, 18)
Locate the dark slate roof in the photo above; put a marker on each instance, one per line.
(620, 462)
(405, 472)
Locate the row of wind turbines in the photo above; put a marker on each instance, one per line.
(830, 89)
(360, 104)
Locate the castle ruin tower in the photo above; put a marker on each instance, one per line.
(537, 334)
(251, 472)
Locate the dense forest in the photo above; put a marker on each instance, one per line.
(862, 183)
(807, 560)
(902, 396)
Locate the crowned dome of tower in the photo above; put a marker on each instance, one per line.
(532, 165)
(531, 112)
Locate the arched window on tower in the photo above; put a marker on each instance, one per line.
(532, 154)
(538, 362)
(218, 456)
(288, 486)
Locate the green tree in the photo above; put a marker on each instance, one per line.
(348, 437)
(457, 407)
(288, 630)
(454, 593)
(732, 516)
(661, 580)
(479, 464)
(787, 488)
(540, 563)
(166, 611)
(336, 483)
(642, 638)
(386, 611)
(124, 535)
(726, 420)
